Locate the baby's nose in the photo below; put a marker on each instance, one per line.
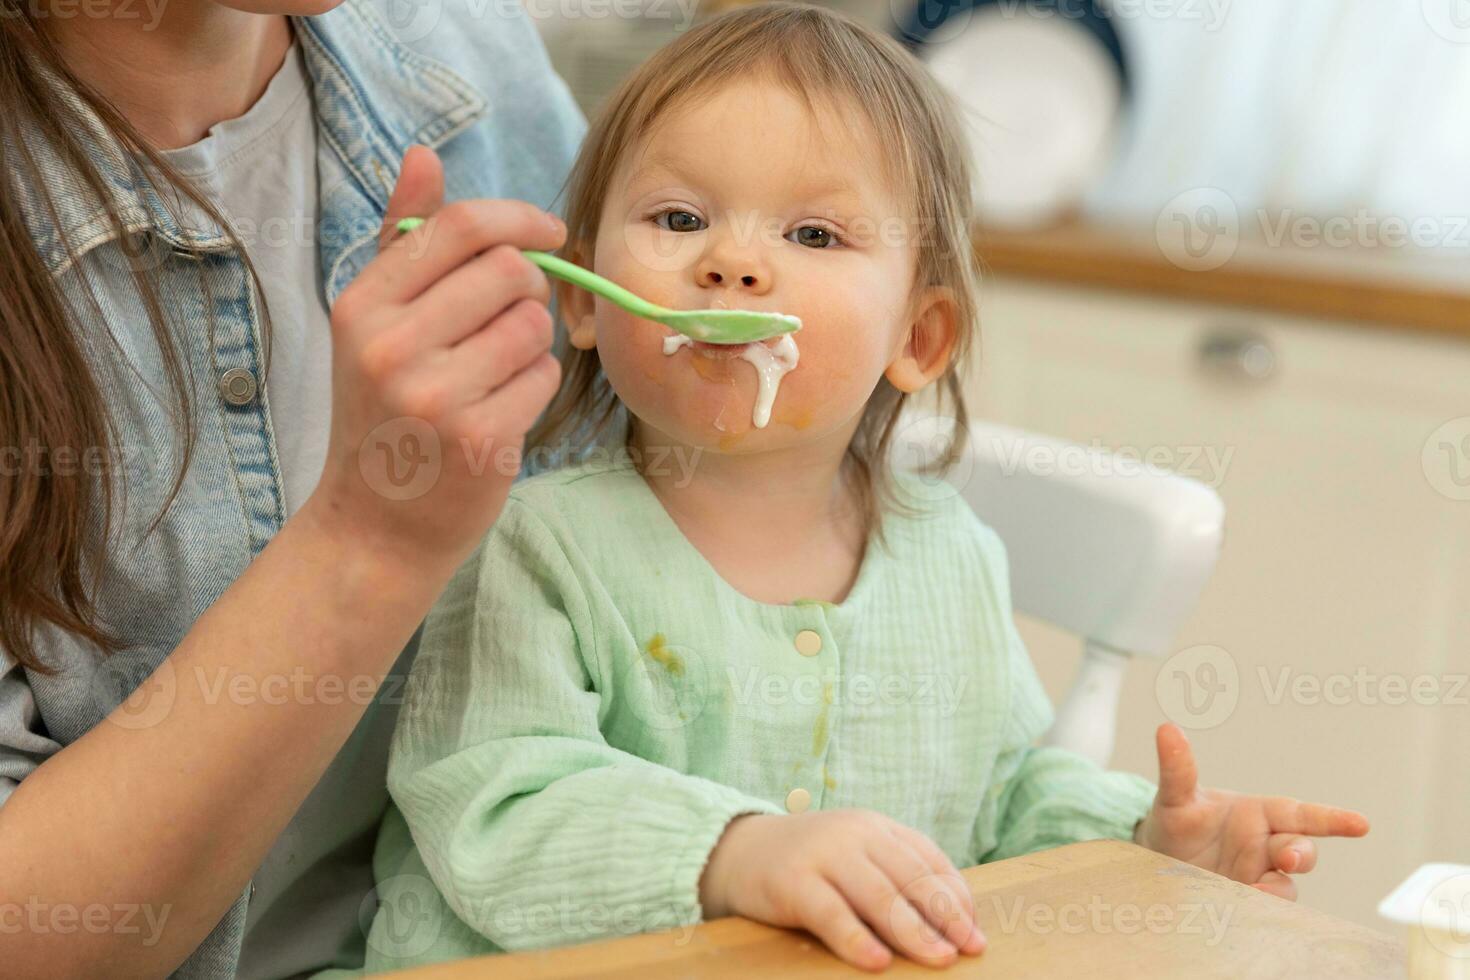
(735, 272)
(716, 277)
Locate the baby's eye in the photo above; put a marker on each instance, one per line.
(813, 237)
(679, 221)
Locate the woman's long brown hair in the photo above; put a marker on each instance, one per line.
(50, 400)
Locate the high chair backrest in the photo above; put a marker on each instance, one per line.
(1099, 544)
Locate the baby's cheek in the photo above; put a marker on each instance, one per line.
(827, 388)
(631, 351)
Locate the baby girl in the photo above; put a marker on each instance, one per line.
(738, 663)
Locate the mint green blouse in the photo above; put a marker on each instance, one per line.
(592, 704)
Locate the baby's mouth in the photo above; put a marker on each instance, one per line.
(721, 351)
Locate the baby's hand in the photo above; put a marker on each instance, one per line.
(1255, 839)
(830, 872)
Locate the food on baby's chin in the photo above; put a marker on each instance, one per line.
(771, 365)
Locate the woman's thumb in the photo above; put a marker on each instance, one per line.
(418, 193)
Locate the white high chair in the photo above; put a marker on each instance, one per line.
(1114, 552)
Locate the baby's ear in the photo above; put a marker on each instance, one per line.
(929, 342)
(576, 308)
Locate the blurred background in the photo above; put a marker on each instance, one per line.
(1232, 238)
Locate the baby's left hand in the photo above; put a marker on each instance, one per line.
(1255, 839)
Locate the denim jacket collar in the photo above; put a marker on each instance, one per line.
(367, 119)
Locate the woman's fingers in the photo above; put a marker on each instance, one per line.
(1278, 884)
(419, 191)
(1291, 853)
(488, 358)
(470, 296)
(441, 380)
(883, 905)
(826, 914)
(452, 236)
(509, 411)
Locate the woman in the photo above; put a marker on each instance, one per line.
(225, 510)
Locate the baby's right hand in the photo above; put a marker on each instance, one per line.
(830, 872)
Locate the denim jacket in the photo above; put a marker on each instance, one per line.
(468, 78)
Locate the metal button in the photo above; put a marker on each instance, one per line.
(237, 386)
(808, 643)
(798, 800)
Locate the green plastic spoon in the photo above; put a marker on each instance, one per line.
(708, 326)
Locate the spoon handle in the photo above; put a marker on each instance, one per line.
(592, 282)
(577, 276)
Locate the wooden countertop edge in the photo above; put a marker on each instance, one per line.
(672, 952)
(1093, 259)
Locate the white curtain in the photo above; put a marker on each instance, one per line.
(1314, 107)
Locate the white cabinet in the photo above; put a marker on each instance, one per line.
(1344, 583)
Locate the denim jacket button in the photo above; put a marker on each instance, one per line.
(237, 386)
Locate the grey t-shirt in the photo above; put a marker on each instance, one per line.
(260, 170)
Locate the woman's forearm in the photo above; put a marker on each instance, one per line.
(162, 812)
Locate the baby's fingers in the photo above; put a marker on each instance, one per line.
(1278, 884)
(959, 905)
(825, 913)
(1292, 853)
(884, 906)
(1286, 815)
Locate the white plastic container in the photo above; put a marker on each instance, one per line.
(1434, 903)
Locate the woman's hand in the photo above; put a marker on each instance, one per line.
(1259, 840)
(831, 872)
(440, 365)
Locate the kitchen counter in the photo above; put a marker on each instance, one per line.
(1402, 288)
(1105, 908)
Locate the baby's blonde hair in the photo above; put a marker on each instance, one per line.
(811, 51)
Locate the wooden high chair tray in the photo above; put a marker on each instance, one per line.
(1100, 909)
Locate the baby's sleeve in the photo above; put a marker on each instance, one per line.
(1043, 796)
(534, 829)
